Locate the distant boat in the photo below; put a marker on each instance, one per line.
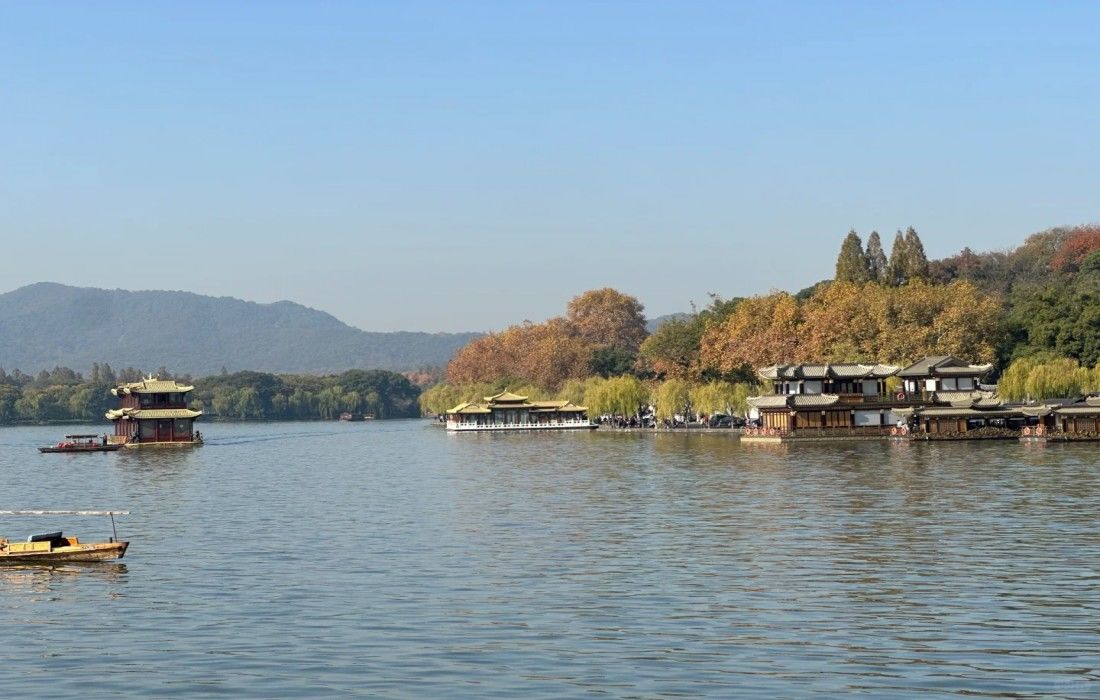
(55, 547)
(82, 443)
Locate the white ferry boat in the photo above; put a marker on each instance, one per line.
(507, 411)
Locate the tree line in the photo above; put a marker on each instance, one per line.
(1038, 305)
(66, 395)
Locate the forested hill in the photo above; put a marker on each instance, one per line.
(46, 325)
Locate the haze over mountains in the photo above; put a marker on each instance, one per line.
(46, 325)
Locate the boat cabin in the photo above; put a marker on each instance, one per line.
(507, 411)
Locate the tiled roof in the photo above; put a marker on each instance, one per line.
(955, 397)
(965, 370)
(843, 370)
(505, 396)
(943, 365)
(813, 400)
(1078, 410)
(151, 413)
(953, 412)
(851, 371)
(468, 407)
(151, 386)
(921, 368)
(772, 401)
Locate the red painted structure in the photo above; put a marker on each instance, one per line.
(153, 412)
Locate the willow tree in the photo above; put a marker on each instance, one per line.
(671, 398)
(720, 397)
(617, 396)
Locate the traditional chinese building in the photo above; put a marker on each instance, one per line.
(823, 397)
(936, 395)
(153, 412)
(507, 411)
(1076, 419)
(942, 373)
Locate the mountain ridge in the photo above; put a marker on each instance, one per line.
(47, 324)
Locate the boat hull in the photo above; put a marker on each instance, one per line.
(94, 448)
(514, 428)
(94, 551)
(163, 445)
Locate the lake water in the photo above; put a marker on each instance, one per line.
(391, 559)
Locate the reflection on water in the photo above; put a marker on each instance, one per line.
(392, 559)
(40, 577)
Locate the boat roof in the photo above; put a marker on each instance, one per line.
(82, 436)
(64, 512)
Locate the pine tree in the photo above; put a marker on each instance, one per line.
(916, 262)
(897, 267)
(876, 259)
(851, 264)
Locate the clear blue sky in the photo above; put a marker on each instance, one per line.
(464, 166)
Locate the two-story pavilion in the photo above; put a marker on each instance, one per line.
(854, 398)
(153, 412)
(825, 396)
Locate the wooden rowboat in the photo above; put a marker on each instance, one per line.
(57, 548)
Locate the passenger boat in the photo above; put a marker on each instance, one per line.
(82, 443)
(507, 412)
(57, 548)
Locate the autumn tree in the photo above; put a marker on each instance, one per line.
(877, 265)
(852, 263)
(544, 354)
(761, 331)
(608, 318)
(1083, 241)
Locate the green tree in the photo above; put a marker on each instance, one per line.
(916, 262)
(672, 398)
(877, 265)
(851, 263)
(898, 266)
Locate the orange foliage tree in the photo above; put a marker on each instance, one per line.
(549, 354)
(1082, 241)
(608, 318)
(848, 322)
(761, 331)
(545, 354)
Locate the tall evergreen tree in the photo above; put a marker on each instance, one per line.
(876, 259)
(916, 262)
(851, 264)
(897, 267)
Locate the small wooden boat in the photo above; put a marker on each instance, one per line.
(82, 443)
(57, 548)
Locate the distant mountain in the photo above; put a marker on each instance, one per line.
(655, 323)
(45, 325)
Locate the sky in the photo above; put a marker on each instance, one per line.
(463, 166)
